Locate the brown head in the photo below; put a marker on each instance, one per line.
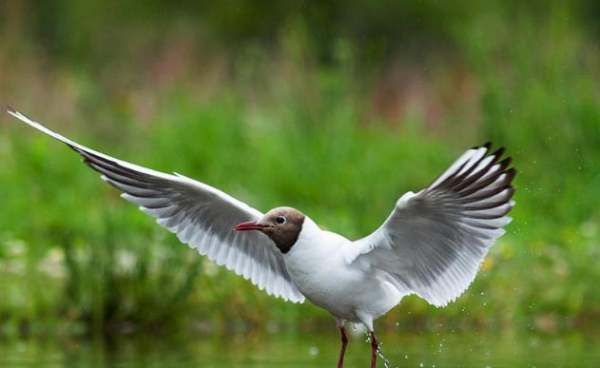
(281, 224)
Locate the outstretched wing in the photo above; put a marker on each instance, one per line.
(201, 216)
(434, 241)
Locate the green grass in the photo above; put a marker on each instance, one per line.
(74, 257)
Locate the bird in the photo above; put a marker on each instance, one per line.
(431, 244)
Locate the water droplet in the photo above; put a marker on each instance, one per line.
(313, 351)
(386, 361)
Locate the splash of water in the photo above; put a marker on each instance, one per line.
(386, 361)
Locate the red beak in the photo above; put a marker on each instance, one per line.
(250, 225)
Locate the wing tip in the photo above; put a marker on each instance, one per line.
(510, 174)
(505, 162)
(487, 145)
(38, 126)
(499, 152)
(16, 114)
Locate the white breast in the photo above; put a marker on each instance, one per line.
(317, 264)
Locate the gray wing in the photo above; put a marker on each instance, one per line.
(201, 216)
(434, 241)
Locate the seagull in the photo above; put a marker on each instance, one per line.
(430, 245)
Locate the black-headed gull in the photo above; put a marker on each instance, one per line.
(431, 244)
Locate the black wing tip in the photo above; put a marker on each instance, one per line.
(510, 175)
(512, 172)
(486, 145)
(498, 153)
(505, 162)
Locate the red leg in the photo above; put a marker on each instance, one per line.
(374, 349)
(344, 337)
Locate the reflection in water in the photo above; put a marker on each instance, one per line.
(306, 350)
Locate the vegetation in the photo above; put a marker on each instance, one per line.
(338, 126)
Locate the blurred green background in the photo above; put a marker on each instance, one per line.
(336, 108)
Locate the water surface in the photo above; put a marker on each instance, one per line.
(306, 350)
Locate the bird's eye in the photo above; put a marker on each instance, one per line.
(280, 219)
